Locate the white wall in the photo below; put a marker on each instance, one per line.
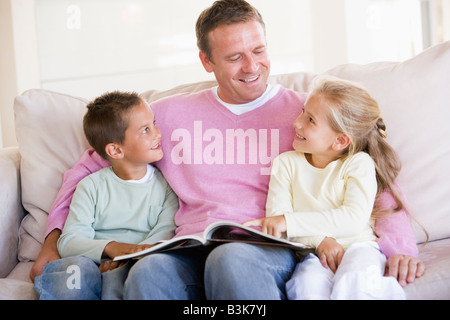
(8, 88)
(86, 47)
(18, 60)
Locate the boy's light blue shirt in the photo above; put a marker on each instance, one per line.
(106, 208)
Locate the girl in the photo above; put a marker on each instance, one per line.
(326, 188)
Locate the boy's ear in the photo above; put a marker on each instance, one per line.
(342, 142)
(114, 151)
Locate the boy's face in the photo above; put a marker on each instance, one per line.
(142, 142)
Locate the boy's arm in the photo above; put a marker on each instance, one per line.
(165, 227)
(78, 235)
(89, 162)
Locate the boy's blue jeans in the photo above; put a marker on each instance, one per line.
(234, 271)
(79, 278)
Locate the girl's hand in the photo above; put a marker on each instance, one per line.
(273, 226)
(330, 253)
(404, 268)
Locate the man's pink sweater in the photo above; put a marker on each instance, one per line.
(219, 163)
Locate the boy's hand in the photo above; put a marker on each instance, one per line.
(115, 249)
(330, 253)
(273, 226)
(109, 265)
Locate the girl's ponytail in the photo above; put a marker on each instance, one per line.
(387, 165)
(355, 112)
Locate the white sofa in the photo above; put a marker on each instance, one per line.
(415, 100)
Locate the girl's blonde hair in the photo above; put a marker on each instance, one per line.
(353, 111)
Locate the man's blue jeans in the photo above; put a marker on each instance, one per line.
(234, 271)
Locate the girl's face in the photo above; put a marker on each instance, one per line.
(314, 135)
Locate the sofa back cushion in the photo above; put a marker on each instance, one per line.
(414, 97)
(50, 135)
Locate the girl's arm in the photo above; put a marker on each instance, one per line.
(344, 218)
(348, 218)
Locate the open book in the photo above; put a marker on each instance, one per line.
(218, 232)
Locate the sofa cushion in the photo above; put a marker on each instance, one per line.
(435, 283)
(413, 95)
(51, 140)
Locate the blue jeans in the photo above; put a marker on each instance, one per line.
(79, 278)
(234, 271)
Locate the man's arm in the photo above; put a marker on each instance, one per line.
(89, 162)
(398, 242)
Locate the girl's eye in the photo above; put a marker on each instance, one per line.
(146, 130)
(311, 120)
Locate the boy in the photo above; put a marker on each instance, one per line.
(120, 209)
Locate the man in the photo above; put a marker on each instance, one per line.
(218, 147)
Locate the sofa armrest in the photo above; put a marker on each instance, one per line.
(11, 210)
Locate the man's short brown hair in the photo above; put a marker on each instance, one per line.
(223, 12)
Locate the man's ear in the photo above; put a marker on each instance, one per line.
(114, 151)
(342, 141)
(206, 62)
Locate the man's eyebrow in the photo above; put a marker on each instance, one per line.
(232, 55)
(263, 46)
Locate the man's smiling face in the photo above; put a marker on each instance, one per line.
(239, 61)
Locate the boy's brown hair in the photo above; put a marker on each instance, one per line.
(106, 119)
(223, 12)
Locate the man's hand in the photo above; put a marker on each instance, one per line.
(49, 253)
(404, 268)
